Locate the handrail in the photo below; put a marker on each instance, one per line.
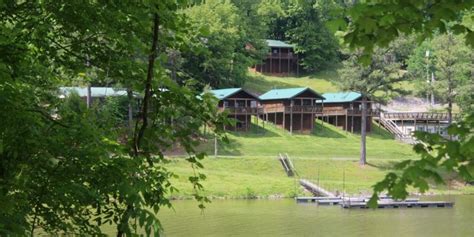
(304, 109)
(242, 110)
(418, 115)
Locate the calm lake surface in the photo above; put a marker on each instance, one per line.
(287, 218)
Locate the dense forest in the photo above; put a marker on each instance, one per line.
(71, 167)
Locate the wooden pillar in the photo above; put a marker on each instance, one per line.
(291, 116)
(352, 123)
(246, 121)
(403, 127)
(288, 64)
(235, 115)
(312, 113)
(279, 60)
(345, 126)
(414, 129)
(337, 124)
(276, 120)
(271, 61)
(297, 66)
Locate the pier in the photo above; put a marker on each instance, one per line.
(325, 198)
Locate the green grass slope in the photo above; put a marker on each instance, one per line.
(326, 142)
(321, 82)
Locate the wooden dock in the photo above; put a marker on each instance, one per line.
(328, 201)
(402, 204)
(315, 189)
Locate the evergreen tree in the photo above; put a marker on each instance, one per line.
(381, 75)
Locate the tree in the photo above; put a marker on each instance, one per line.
(379, 76)
(378, 23)
(302, 23)
(228, 43)
(453, 65)
(449, 61)
(63, 167)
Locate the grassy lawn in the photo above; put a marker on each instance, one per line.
(320, 82)
(326, 142)
(247, 167)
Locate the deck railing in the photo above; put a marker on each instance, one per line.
(242, 110)
(303, 109)
(418, 116)
(281, 55)
(350, 112)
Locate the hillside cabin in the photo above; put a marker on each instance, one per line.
(293, 109)
(240, 106)
(344, 110)
(280, 61)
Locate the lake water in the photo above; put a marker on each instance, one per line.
(287, 218)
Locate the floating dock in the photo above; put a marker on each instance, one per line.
(394, 204)
(326, 198)
(328, 201)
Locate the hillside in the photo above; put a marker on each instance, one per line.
(247, 167)
(321, 82)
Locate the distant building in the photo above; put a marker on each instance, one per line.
(240, 106)
(344, 110)
(97, 93)
(403, 124)
(293, 109)
(280, 61)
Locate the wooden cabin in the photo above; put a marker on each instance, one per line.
(293, 109)
(344, 110)
(240, 106)
(280, 61)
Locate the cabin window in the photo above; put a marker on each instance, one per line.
(253, 103)
(226, 103)
(275, 50)
(306, 102)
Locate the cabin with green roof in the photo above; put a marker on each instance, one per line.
(343, 110)
(280, 61)
(240, 105)
(294, 109)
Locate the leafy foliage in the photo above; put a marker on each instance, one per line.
(377, 23)
(450, 62)
(68, 168)
(229, 44)
(437, 153)
(314, 42)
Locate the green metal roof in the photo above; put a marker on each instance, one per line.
(224, 93)
(281, 94)
(341, 97)
(95, 91)
(278, 44)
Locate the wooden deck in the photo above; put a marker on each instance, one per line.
(418, 116)
(349, 112)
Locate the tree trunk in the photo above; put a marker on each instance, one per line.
(130, 112)
(122, 227)
(363, 132)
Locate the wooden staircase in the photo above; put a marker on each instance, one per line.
(395, 130)
(287, 164)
